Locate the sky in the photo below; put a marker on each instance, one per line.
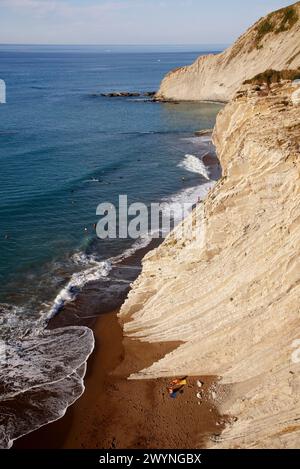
(129, 21)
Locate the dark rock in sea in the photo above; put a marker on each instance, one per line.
(204, 133)
(121, 94)
(126, 94)
(166, 101)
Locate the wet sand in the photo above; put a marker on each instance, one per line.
(115, 412)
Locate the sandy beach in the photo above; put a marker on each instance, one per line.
(115, 412)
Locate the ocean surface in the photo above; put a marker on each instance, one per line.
(64, 149)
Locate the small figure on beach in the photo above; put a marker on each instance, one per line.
(176, 386)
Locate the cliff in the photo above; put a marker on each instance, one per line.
(272, 43)
(232, 294)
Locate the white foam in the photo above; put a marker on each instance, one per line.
(14, 321)
(40, 367)
(98, 270)
(195, 165)
(81, 258)
(92, 180)
(201, 141)
(77, 282)
(186, 198)
(45, 375)
(140, 243)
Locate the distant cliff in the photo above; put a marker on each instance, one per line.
(232, 295)
(272, 43)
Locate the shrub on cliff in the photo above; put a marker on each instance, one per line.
(277, 22)
(273, 76)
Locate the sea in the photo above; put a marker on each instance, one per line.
(65, 149)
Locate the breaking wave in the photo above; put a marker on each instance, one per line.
(43, 377)
(39, 373)
(78, 280)
(195, 165)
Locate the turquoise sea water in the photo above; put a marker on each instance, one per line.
(64, 149)
(55, 137)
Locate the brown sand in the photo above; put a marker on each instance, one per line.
(115, 412)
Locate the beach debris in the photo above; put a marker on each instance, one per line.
(113, 443)
(216, 437)
(221, 422)
(176, 386)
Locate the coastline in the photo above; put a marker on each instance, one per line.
(99, 419)
(232, 295)
(215, 306)
(114, 359)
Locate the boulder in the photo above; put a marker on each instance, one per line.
(296, 97)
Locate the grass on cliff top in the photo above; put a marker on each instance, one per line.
(277, 22)
(273, 76)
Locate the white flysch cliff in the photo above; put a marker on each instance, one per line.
(272, 43)
(232, 295)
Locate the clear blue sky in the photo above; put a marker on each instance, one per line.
(129, 21)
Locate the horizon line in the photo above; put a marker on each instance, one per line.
(112, 44)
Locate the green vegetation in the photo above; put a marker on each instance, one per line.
(277, 22)
(264, 28)
(289, 18)
(273, 76)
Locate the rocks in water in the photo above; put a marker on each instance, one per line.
(204, 133)
(121, 94)
(127, 94)
(162, 100)
(135, 94)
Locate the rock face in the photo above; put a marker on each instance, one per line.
(232, 294)
(272, 43)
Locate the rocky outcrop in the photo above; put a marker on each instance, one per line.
(231, 295)
(296, 97)
(127, 94)
(272, 43)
